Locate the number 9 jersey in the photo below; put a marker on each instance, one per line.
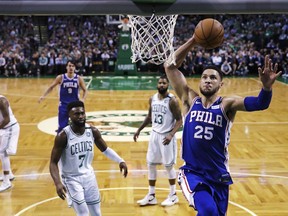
(69, 89)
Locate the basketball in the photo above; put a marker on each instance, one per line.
(209, 33)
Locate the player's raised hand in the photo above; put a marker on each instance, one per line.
(269, 73)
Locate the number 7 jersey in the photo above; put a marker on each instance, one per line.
(78, 155)
(205, 140)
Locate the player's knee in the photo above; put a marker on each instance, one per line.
(95, 209)
(171, 172)
(207, 209)
(205, 203)
(3, 155)
(81, 209)
(152, 172)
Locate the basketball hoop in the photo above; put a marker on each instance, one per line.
(152, 38)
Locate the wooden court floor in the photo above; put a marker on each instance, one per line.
(258, 155)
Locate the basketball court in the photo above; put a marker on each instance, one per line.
(258, 151)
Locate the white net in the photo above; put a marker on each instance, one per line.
(152, 38)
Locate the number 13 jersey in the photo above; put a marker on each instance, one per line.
(162, 117)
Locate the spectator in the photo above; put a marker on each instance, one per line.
(87, 63)
(199, 63)
(226, 66)
(33, 69)
(43, 63)
(216, 59)
(269, 33)
(2, 64)
(105, 60)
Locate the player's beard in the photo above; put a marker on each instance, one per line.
(80, 124)
(162, 91)
(210, 92)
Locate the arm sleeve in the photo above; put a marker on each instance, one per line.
(261, 102)
(112, 155)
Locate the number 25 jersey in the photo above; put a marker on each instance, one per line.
(205, 140)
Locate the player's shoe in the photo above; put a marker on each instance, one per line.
(5, 186)
(171, 200)
(149, 199)
(11, 177)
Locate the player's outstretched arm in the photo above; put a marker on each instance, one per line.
(267, 75)
(176, 111)
(146, 121)
(56, 82)
(83, 87)
(108, 152)
(175, 76)
(123, 168)
(59, 145)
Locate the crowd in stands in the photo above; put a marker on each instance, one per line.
(93, 44)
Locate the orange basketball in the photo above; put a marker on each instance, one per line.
(209, 33)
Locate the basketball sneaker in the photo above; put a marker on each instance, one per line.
(171, 200)
(149, 199)
(11, 177)
(5, 186)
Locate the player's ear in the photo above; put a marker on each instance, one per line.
(221, 83)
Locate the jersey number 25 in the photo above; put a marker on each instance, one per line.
(203, 132)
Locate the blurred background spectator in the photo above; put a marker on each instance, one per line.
(42, 45)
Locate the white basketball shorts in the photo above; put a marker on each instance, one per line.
(158, 153)
(9, 139)
(82, 188)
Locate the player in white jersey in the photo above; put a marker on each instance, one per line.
(165, 115)
(74, 150)
(9, 135)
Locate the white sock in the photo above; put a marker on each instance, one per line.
(172, 189)
(5, 161)
(151, 189)
(6, 178)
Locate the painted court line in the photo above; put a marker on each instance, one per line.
(240, 123)
(123, 188)
(145, 188)
(236, 174)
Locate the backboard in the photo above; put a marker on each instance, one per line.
(140, 7)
